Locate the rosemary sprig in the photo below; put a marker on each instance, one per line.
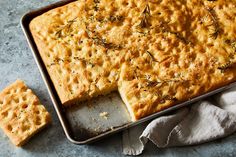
(103, 42)
(151, 56)
(231, 43)
(166, 98)
(58, 61)
(85, 61)
(152, 83)
(155, 83)
(164, 29)
(111, 18)
(215, 22)
(226, 66)
(180, 37)
(143, 33)
(66, 27)
(145, 15)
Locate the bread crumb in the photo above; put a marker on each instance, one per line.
(97, 129)
(104, 115)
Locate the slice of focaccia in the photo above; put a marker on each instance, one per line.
(21, 113)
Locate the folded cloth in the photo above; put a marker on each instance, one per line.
(201, 122)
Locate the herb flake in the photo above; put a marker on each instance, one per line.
(145, 15)
(65, 28)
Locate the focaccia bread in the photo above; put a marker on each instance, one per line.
(155, 53)
(21, 113)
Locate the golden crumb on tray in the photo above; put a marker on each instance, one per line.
(155, 53)
(104, 115)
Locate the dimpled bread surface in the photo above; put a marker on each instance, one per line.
(155, 53)
(21, 113)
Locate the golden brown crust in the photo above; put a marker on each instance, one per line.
(21, 113)
(157, 53)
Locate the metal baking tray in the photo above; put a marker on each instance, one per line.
(91, 120)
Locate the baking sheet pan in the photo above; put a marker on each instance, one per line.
(91, 120)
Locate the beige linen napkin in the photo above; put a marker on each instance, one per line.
(200, 122)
